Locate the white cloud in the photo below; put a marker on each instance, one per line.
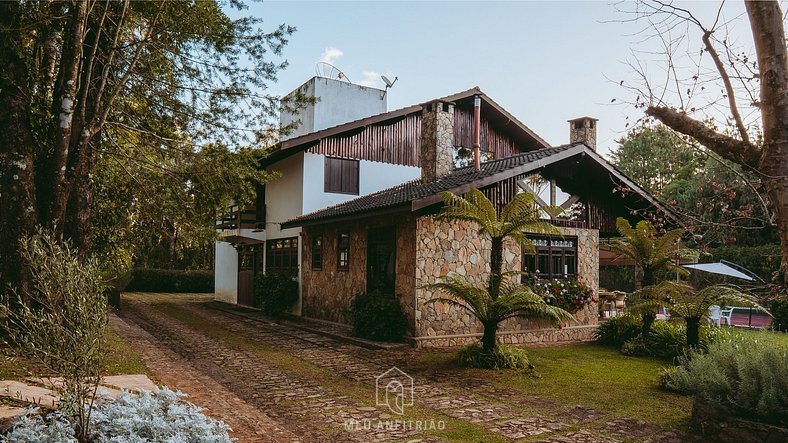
(331, 54)
(371, 79)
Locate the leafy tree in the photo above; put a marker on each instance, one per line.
(690, 304)
(752, 97)
(85, 81)
(503, 297)
(653, 252)
(655, 157)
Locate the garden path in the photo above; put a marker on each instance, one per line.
(273, 382)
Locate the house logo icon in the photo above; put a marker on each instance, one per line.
(394, 389)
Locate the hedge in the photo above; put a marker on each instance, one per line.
(170, 280)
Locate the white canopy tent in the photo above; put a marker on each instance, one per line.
(720, 268)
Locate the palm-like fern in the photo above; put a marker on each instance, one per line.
(512, 300)
(691, 304)
(519, 216)
(652, 252)
(501, 299)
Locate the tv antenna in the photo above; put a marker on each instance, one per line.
(327, 70)
(388, 83)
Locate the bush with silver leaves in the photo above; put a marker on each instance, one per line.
(163, 417)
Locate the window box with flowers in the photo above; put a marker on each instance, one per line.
(569, 294)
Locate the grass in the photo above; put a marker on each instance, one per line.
(119, 358)
(589, 375)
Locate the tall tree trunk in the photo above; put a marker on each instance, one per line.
(693, 332)
(17, 166)
(496, 265)
(766, 22)
(489, 338)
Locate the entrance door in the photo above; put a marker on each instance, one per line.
(381, 260)
(245, 275)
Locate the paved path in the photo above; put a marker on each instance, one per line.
(272, 382)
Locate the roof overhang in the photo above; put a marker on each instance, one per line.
(491, 110)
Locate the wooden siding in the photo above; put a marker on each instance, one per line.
(395, 142)
(593, 217)
(399, 141)
(490, 139)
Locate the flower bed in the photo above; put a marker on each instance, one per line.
(568, 294)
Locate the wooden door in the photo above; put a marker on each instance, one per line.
(381, 260)
(245, 276)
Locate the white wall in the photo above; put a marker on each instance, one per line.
(373, 176)
(283, 196)
(337, 102)
(225, 275)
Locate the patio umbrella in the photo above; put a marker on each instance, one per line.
(720, 268)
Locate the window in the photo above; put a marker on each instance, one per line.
(341, 176)
(317, 253)
(281, 256)
(555, 257)
(343, 252)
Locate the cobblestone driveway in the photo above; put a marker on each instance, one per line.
(276, 383)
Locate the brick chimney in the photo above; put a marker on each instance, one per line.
(583, 129)
(437, 140)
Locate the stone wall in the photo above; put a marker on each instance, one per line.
(437, 140)
(328, 293)
(454, 246)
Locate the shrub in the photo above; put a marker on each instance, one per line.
(60, 321)
(739, 376)
(667, 341)
(778, 307)
(378, 317)
(159, 418)
(502, 357)
(170, 280)
(275, 293)
(618, 330)
(568, 294)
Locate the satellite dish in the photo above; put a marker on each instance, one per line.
(388, 82)
(327, 70)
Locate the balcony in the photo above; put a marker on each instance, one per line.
(237, 218)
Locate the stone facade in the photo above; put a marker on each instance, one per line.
(454, 246)
(428, 248)
(437, 140)
(327, 292)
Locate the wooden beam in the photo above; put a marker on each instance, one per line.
(570, 201)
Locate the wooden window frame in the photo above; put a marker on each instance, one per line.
(281, 255)
(550, 249)
(343, 265)
(341, 176)
(317, 253)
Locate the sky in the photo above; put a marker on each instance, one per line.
(545, 62)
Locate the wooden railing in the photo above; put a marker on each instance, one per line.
(235, 218)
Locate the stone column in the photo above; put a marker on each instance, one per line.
(437, 140)
(583, 130)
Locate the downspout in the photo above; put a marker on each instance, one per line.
(477, 106)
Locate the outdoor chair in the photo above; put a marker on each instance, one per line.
(726, 314)
(715, 313)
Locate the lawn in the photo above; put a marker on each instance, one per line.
(119, 358)
(588, 375)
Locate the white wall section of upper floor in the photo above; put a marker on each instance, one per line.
(284, 196)
(336, 102)
(373, 176)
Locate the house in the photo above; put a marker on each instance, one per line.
(388, 238)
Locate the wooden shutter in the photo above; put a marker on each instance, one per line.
(341, 176)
